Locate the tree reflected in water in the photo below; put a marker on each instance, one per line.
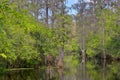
(85, 71)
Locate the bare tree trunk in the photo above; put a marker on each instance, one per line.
(103, 41)
(62, 24)
(104, 66)
(60, 73)
(47, 8)
(84, 75)
(61, 55)
(83, 43)
(53, 18)
(62, 52)
(103, 37)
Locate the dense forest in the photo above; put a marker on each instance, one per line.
(35, 33)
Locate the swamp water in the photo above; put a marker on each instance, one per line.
(90, 70)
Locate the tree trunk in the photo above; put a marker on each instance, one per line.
(47, 6)
(83, 44)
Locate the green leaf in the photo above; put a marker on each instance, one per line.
(3, 55)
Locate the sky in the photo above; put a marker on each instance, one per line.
(71, 2)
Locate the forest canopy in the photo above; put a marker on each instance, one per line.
(30, 30)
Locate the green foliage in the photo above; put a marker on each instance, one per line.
(111, 35)
(22, 37)
(71, 62)
(2, 64)
(72, 46)
(113, 46)
(94, 45)
(3, 56)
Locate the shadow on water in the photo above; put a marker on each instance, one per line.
(84, 71)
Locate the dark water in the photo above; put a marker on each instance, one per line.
(85, 71)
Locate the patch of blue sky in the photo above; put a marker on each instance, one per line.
(69, 4)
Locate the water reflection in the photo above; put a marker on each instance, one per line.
(84, 71)
(49, 73)
(60, 73)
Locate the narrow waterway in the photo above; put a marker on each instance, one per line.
(91, 70)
